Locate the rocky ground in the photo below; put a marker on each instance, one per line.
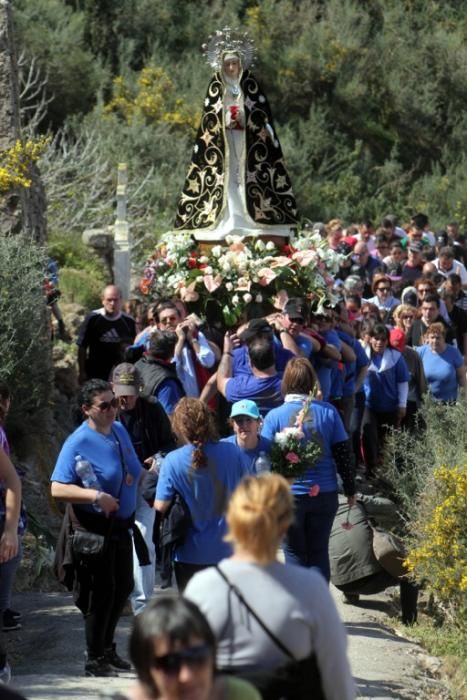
(47, 654)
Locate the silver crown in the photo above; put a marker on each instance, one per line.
(226, 41)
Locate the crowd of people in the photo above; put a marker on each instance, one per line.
(168, 465)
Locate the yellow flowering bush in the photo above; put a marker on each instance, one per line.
(438, 557)
(16, 161)
(154, 100)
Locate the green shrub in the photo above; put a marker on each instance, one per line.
(80, 287)
(26, 363)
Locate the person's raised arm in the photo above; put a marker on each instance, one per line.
(224, 371)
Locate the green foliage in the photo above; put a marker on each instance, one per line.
(80, 287)
(25, 365)
(428, 472)
(368, 99)
(52, 34)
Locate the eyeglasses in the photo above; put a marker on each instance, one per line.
(297, 319)
(168, 319)
(383, 289)
(242, 419)
(105, 405)
(424, 289)
(192, 656)
(407, 318)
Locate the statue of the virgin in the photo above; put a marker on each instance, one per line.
(237, 182)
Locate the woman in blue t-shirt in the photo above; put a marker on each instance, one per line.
(315, 492)
(246, 423)
(443, 364)
(204, 472)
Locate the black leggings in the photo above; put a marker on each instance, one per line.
(101, 592)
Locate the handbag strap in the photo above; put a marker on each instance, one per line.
(270, 634)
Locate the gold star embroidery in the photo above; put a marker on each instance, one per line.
(193, 185)
(281, 182)
(207, 138)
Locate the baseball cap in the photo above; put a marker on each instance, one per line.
(416, 247)
(126, 380)
(245, 407)
(296, 308)
(441, 238)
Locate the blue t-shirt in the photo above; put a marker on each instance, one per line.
(440, 371)
(325, 366)
(324, 425)
(169, 392)
(353, 368)
(241, 360)
(249, 457)
(206, 492)
(265, 392)
(103, 453)
(385, 372)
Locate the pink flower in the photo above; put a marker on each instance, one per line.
(188, 293)
(212, 283)
(314, 491)
(266, 276)
(292, 457)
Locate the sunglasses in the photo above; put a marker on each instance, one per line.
(242, 419)
(297, 319)
(407, 318)
(383, 289)
(192, 656)
(167, 320)
(105, 405)
(424, 289)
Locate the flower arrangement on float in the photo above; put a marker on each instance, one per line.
(239, 271)
(291, 454)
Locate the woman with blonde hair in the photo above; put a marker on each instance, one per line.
(266, 614)
(404, 315)
(204, 472)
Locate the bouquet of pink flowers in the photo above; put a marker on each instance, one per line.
(291, 453)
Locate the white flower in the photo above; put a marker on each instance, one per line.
(226, 267)
(208, 270)
(259, 298)
(270, 246)
(204, 259)
(229, 286)
(235, 299)
(216, 251)
(260, 245)
(228, 239)
(247, 298)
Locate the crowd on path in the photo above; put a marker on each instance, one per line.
(174, 464)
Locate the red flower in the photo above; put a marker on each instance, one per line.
(292, 457)
(287, 250)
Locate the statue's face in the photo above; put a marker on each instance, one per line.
(231, 67)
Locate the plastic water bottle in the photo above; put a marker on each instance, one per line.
(263, 463)
(89, 480)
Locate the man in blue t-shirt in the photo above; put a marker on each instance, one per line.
(262, 384)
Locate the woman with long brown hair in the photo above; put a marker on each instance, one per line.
(204, 472)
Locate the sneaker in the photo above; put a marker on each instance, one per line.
(10, 622)
(113, 659)
(351, 598)
(14, 613)
(5, 674)
(99, 667)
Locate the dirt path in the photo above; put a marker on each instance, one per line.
(47, 654)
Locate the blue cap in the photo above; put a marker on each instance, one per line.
(245, 408)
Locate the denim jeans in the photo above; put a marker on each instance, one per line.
(144, 576)
(307, 541)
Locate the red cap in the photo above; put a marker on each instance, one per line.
(397, 339)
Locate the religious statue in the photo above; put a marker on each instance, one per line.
(237, 182)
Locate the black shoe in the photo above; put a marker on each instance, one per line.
(14, 613)
(113, 659)
(10, 622)
(99, 667)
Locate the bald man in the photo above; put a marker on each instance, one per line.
(103, 337)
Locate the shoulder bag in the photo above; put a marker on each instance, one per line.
(294, 680)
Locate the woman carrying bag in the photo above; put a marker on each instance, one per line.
(98, 521)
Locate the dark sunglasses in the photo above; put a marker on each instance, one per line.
(242, 419)
(192, 656)
(383, 289)
(105, 405)
(297, 319)
(167, 320)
